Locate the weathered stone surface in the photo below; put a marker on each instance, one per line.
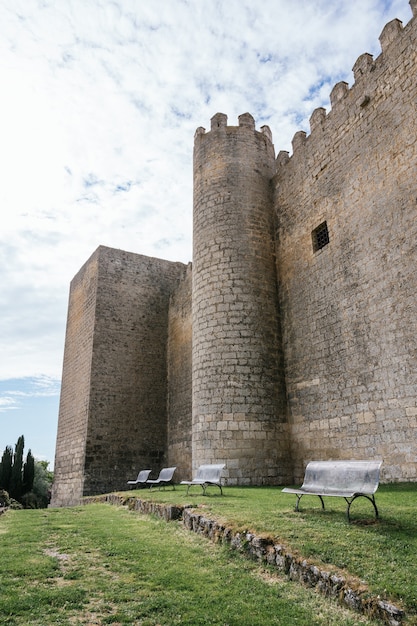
(113, 409)
(349, 334)
(239, 404)
(179, 379)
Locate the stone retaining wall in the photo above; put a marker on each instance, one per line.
(352, 594)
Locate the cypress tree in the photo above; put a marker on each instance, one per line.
(16, 479)
(6, 468)
(28, 473)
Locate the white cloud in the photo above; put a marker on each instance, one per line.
(13, 392)
(7, 403)
(100, 101)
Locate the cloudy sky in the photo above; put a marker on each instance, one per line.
(99, 103)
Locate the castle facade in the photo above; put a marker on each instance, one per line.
(292, 336)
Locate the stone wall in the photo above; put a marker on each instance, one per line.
(349, 323)
(180, 379)
(122, 403)
(75, 390)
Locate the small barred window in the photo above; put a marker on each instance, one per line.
(320, 236)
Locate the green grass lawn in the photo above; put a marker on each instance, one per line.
(102, 564)
(383, 553)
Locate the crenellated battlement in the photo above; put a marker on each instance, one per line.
(246, 121)
(347, 102)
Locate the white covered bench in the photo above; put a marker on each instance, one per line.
(206, 475)
(343, 479)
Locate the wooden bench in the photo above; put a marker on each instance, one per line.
(340, 479)
(206, 475)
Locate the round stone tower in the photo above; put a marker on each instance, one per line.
(239, 405)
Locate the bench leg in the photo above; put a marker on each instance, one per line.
(213, 485)
(216, 485)
(361, 495)
(202, 487)
(300, 495)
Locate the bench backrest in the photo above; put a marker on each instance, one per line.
(357, 476)
(166, 473)
(210, 473)
(143, 476)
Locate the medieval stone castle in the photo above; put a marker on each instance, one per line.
(293, 334)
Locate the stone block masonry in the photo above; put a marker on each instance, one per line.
(293, 335)
(75, 390)
(113, 415)
(349, 338)
(180, 379)
(239, 405)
